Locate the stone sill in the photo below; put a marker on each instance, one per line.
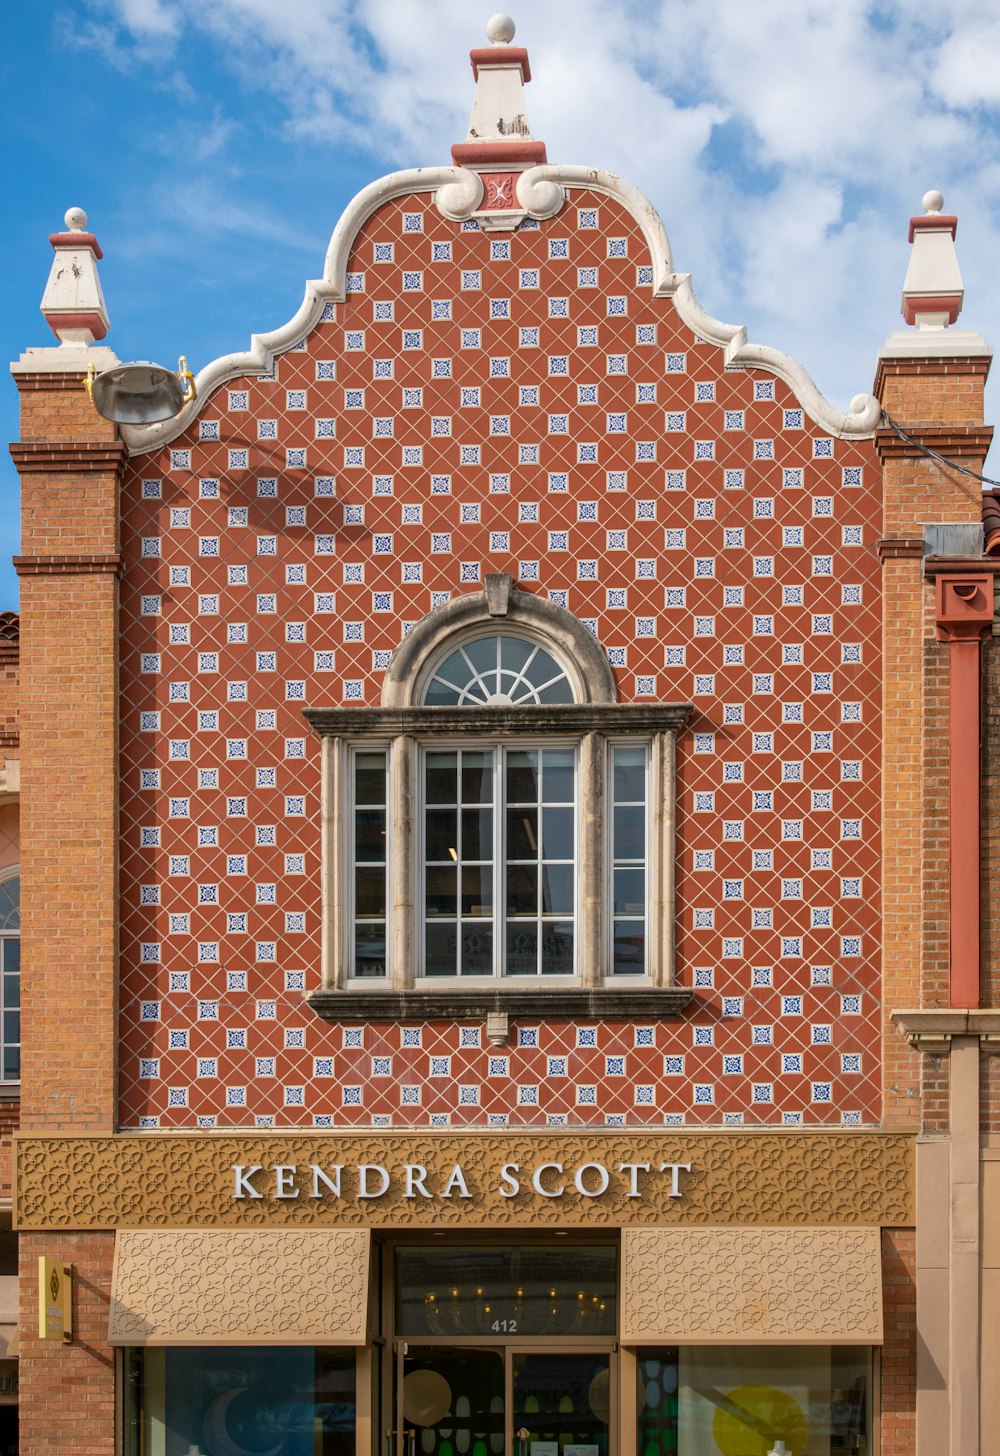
(626, 1003)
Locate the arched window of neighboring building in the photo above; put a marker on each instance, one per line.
(10, 977)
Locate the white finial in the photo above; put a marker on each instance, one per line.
(932, 201)
(500, 29)
(76, 220)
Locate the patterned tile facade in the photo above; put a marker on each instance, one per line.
(521, 404)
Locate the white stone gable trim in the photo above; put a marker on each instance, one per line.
(458, 193)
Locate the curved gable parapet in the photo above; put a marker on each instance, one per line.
(331, 288)
(541, 192)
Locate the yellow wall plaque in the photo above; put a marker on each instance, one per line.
(55, 1300)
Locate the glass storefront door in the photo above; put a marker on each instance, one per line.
(512, 1400)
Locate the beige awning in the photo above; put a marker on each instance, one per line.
(240, 1287)
(741, 1286)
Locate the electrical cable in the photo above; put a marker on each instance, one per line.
(933, 454)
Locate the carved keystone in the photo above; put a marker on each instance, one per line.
(498, 585)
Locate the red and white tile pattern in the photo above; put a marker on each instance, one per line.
(517, 404)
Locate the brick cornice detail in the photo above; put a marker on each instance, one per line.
(900, 548)
(28, 380)
(961, 441)
(69, 457)
(923, 365)
(67, 565)
(961, 565)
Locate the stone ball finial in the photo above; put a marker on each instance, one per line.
(932, 201)
(76, 220)
(500, 29)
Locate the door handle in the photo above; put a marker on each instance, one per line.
(522, 1441)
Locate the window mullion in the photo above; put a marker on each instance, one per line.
(592, 871)
(660, 891)
(402, 866)
(499, 861)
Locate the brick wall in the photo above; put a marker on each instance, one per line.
(68, 463)
(67, 1392)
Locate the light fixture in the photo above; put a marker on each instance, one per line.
(141, 393)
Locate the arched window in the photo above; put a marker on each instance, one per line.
(501, 820)
(10, 978)
(498, 670)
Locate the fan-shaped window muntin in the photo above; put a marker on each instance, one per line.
(10, 978)
(497, 670)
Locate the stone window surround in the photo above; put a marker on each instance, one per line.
(401, 725)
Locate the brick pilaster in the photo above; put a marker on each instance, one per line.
(70, 464)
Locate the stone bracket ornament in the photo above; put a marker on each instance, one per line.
(500, 201)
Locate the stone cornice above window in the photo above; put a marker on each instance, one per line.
(447, 1003)
(570, 719)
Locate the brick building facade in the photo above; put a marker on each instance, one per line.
(511, 790)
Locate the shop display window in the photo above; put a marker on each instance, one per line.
(232, 1401)
(746, 1400)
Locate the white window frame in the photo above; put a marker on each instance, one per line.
(594, 724)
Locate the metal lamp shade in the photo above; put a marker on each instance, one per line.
(138, 394)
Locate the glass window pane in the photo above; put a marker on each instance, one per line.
(630, 891)
(513, 667)
(481, 654)
(369, 949)
(522, 890)
(369, 778)
(559, 776)
(440, 948)
(477, 948)
(369, 891)
(12, 954)
(369, 836)
(746, 1398)
(557, 833)
(629, 951)
(477, 834)
(477, 890)
(522, 834)
(442, 834)
(477, 778)
(515, 651)
(11, 1063)
(519, 1285)
(564, 1398)
(556, 692)
(557, 948)
(522, 777)
(295, 1400)
(438, 694)
(10, 904)
(442, 890)
(522, 948)
(558, 883)
(441, 778)
(629, 775)
(629, 833)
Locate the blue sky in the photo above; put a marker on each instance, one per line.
(784, 143)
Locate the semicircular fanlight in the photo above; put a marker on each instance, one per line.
(497, 670)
